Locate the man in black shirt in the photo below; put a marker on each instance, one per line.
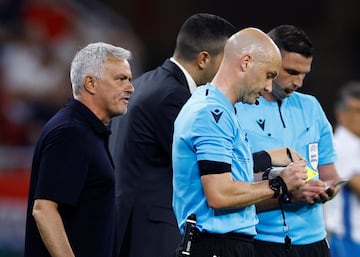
(71, 207)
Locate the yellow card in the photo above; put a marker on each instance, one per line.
(310, 173)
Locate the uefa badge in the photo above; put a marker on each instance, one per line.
(313, 155)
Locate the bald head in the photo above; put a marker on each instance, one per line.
(255, 42)
(251, 62)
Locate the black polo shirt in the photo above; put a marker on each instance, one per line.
(72, 166)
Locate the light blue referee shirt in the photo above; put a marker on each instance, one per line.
(207, 129)
(299, 123)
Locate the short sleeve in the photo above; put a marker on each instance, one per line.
(63, 166)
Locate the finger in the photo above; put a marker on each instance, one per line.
(329, 191)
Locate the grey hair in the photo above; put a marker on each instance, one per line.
(90, 60)
(351, 89)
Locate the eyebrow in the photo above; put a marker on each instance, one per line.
(292, 71)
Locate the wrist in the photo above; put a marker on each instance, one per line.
(271, 173)
(280, 189)
(285, 194)
(275, 186)
(265, 175)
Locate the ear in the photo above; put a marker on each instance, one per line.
(203, 59)
(245, 61)
(89, 83)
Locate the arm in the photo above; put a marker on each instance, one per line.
(279, 157)
(283, 156)
(51, 228)
(274, 203)
(223, 192)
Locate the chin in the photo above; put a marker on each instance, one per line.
(119, 112)
(249, 102)
(122, 112)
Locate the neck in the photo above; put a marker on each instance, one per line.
(89, 102)
(269, 97)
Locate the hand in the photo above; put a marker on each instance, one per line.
(311, 192)
(294, 175)
(280, 156)
(331, 189)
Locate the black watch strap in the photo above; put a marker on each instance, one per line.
(265, 175)
(275, 185)
(286, 195)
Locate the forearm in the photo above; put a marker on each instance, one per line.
(223, 192)
(52, 229)
(253, 193)
(275, 157)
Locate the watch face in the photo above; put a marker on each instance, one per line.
(275, 186)
(275, 183)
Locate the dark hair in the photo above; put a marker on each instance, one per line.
(202, 32)
(292, 39)
(350, 89)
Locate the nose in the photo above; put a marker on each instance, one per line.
(298, 80)
(268, 86)
(131, 87)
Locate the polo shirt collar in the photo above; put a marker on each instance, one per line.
(89, 117)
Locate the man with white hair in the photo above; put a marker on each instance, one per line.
(71, 206)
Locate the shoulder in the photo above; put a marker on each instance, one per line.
(305, 102)
(159, 87)
(66, 124)
(168, 73)
(309, 105)
(161, 82)
(305, 98)
(67, 130)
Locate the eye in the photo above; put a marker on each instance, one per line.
(292, 72)
(124, 78)
(271, 75)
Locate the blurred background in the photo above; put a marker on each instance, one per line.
(38, 39)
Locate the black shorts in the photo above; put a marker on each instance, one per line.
(268, 249)
(222, 245)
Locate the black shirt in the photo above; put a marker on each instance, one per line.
(72, 166)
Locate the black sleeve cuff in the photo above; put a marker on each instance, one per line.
(213, 167)
(262, 161)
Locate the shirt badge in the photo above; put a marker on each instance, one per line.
(313, 155)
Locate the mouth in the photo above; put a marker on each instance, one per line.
(288, 90)
(125, 99)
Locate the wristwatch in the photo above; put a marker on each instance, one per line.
(265, 175)
(286, 195)
(275, 185)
